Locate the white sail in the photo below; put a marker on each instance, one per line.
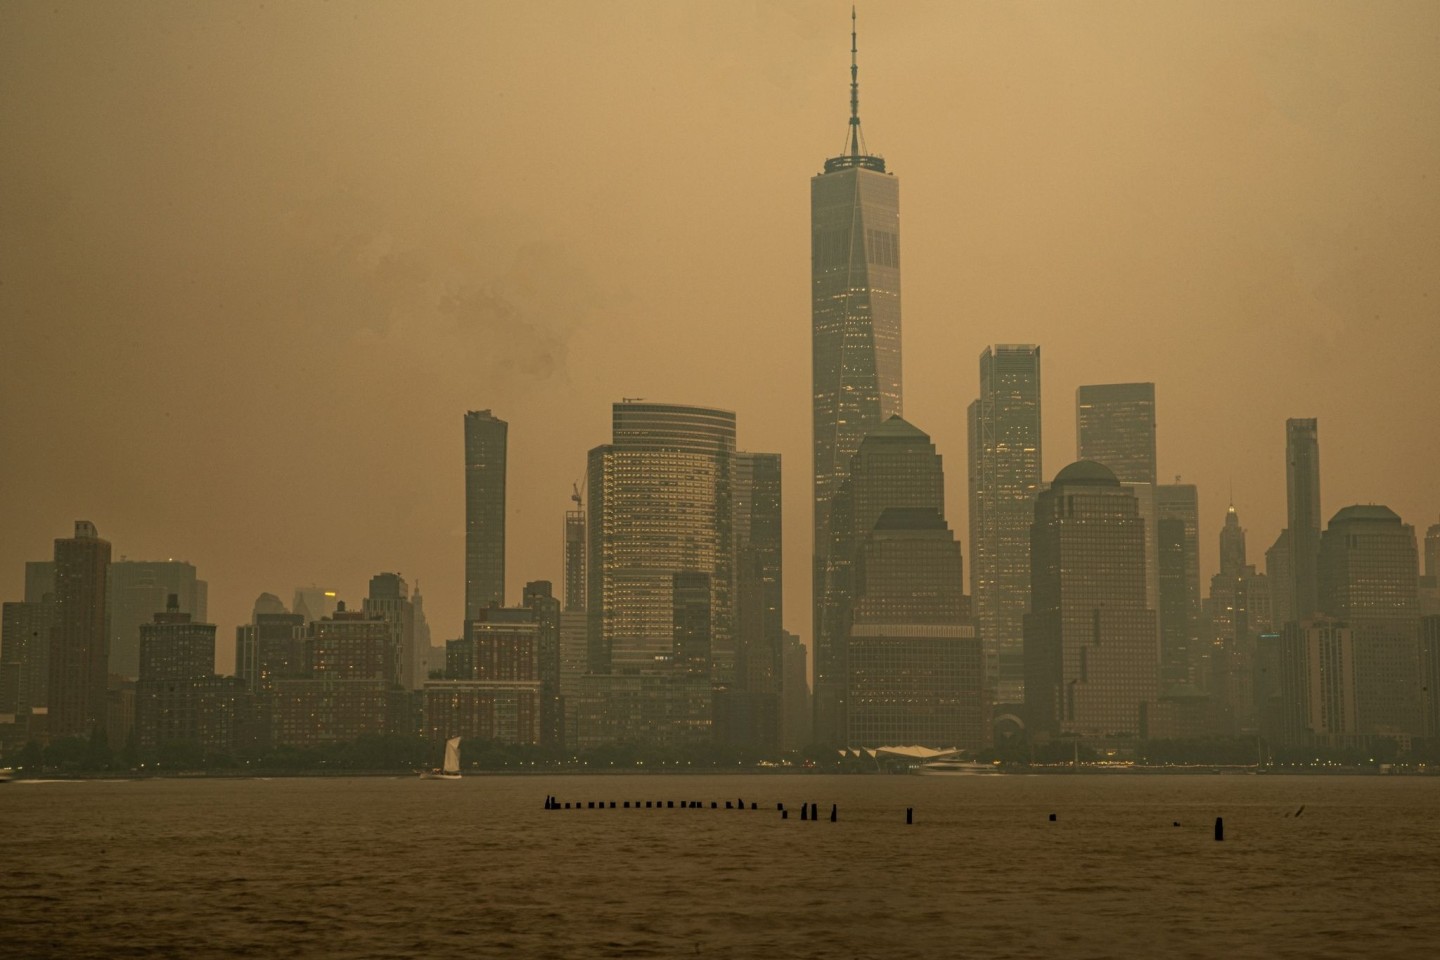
(452, 756)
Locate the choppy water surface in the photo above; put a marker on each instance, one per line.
(410, 868)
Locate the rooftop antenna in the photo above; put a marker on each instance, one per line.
(855, 137)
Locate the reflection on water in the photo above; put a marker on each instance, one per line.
(477, 867)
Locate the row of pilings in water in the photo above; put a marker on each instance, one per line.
(808, 811)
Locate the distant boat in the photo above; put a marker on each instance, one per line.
(951, 767)
(451, 769)
(7, 774)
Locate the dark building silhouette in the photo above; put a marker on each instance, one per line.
(79, 643)
(492, 688)
(1302, 487)
(1005, 477)
(575, 558)
(895, 466)
(486, 437)
(915, 666)
(748, 713)
(1178, 556)
(389, 598)
(855, 356)
(1239, 609)
(539, 597)
(1368, 574)
(1091, 661)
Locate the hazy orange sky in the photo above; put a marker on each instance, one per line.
(256, 260)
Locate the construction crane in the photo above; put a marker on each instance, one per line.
(575, 494)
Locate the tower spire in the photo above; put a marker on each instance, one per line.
(854, 90)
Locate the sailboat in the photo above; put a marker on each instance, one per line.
(451, 769)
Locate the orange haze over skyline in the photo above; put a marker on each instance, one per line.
(256, 261)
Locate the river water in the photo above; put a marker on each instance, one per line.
(375, 867)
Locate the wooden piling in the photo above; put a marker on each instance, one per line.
(1219, 828)
(909, 815)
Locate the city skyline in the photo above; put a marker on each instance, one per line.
(287, 479)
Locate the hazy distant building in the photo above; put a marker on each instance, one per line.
(1239, 613)
(79, 644)
(39, 580)
(486, 439)
(660, 505)
(423, 664)
(1178, 560)
(1429, 594)
(1430, 674)
(895, 466)
(1091, 662)
(795, 713)
(915, 666)
(855, 355)
(1367, 577)
(1282, 581)
(178, 699)
(352, 687)
(749, 711)
(539, 597)
(25, 657)
(1309, 685)
(575, 558)
(315, 603)
(1115, 426)
(135, 592)
(492, 685)
(389, 598)
(1005, 477)
(1302, 485)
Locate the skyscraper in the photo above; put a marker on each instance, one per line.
(389, 599)
(855, 320)
(913, 660)
(135, 591)
(485, 443)
(1005, 475)
(750, 710)
(575, 557)
(1115, 425)
(1239, 612)
(660, 505)
(1090, 655)
(1367, 578)
(895, 466)
(79, 645)
(1302, 486)
(1178, 549)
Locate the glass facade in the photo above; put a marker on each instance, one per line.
(1302, 486)
(1005, 473)
(1115, 425)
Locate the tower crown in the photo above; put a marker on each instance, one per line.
(856, 154)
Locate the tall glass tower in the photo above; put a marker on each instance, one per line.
(855, 328)
(1302, 488)
(1005, 478)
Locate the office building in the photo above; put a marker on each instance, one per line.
(575, 557)
(1091, 661)
(1178, 560)
(486, 438)
(915, 673)
(855, 353)
(1005, 477)
(748, 712)
(1115, 426)
(539, 597)
(796, 716)
(1302, 487)
(1239, 611)
(79, 643)
(1368, 571)
(896, 465)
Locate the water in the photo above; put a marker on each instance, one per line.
(476, 868)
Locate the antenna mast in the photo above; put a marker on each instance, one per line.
(854, 91)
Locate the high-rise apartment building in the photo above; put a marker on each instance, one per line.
(1090, 656)
(1367, 570)
(389, 599)
(1178, 558)
(895, 466)
(1302, 486)
(25, 657)
(660, 508)
(486, 436)
(751, 708)
(855, 337)
(539, 597)
(79, 644)
(796, 716)
(1005, 477)
(1115, 425)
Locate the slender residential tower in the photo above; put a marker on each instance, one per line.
(855, 338)
(486, 437)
